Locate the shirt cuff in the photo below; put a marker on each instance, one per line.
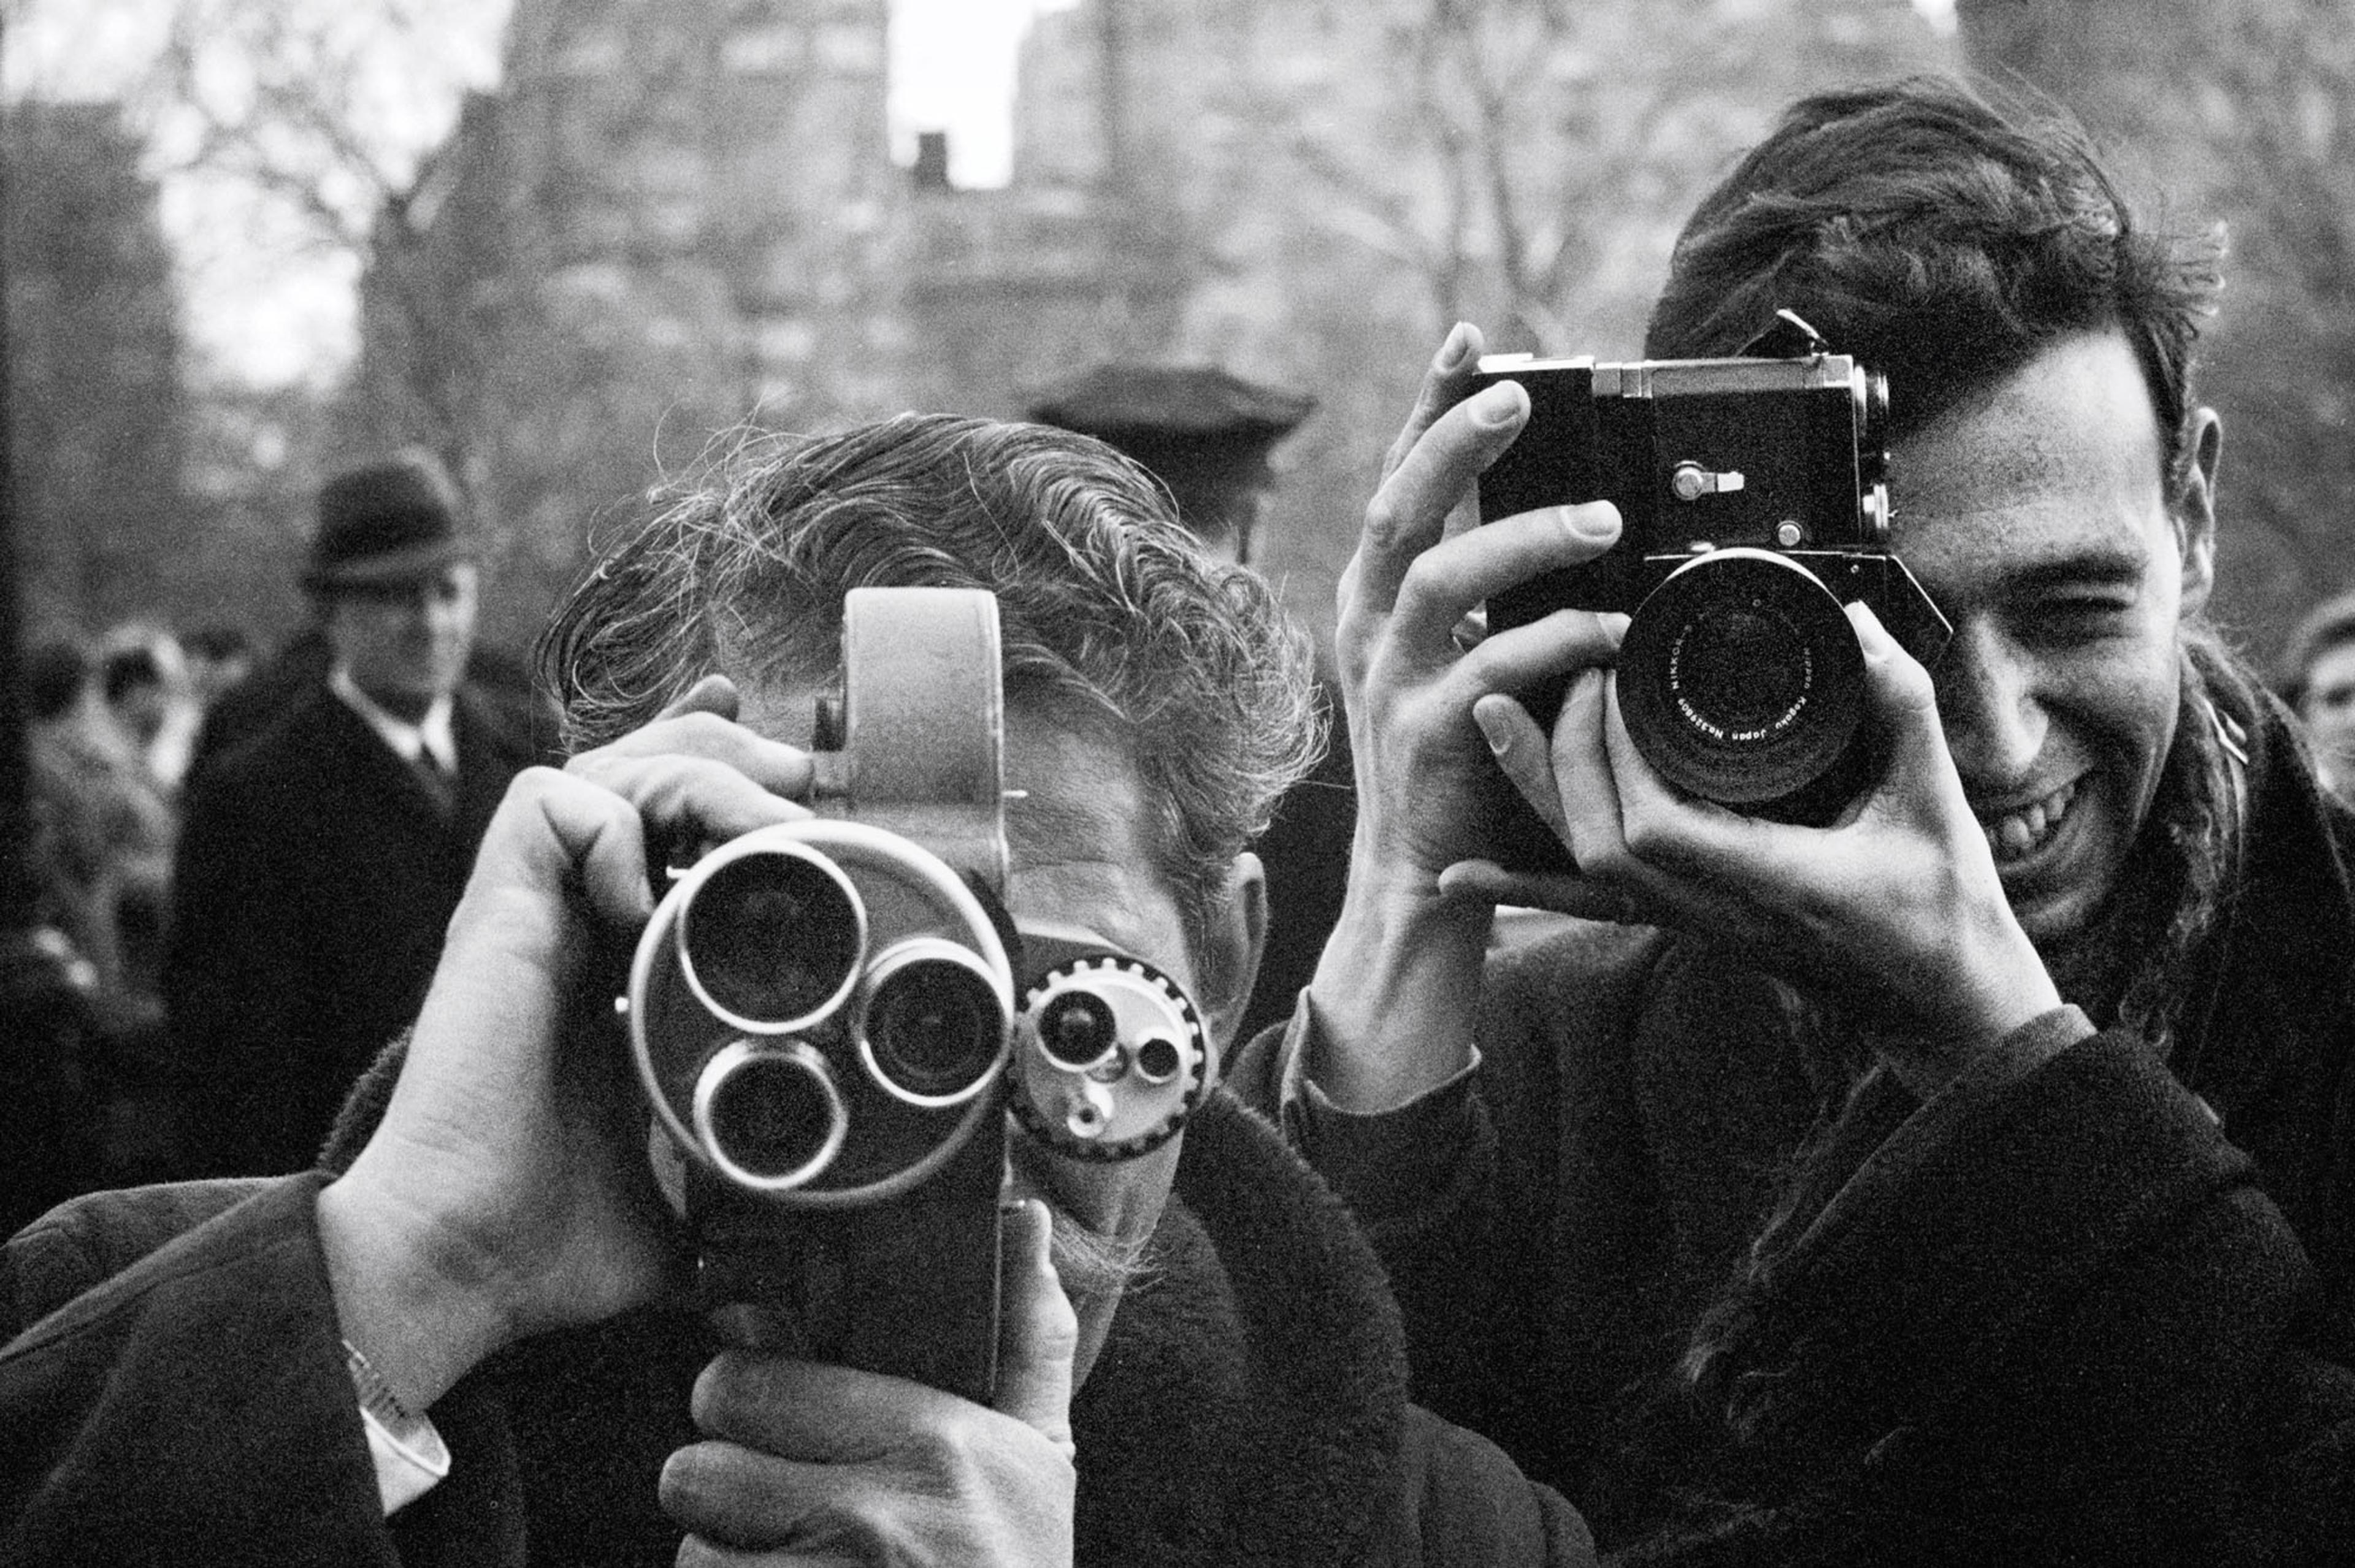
(1383, 1162)
(1302, 1106)
(408, 1463)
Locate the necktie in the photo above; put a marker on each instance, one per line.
(439, 786)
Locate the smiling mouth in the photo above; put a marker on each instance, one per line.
(2016, 834)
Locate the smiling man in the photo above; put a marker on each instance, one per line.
(322, 854)
(473, 1325)
(1941, 1183)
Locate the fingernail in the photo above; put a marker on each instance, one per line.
(1492, 730)
(1497, 405)
(1593, 521)
(1459, 343)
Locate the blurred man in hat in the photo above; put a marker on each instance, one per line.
(1207, 434)
(323, 854)
(1204, 432)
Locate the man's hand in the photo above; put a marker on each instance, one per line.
(506, 1190)
(812, 1464)
(1896, 907)
(1404, 961)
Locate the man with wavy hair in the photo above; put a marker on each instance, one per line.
(1953, 1181)
(465, 1339)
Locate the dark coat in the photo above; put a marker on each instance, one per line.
(315, 878)
(2100, 1316)
(173, 1392)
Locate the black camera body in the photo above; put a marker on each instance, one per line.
(1753, 501)
(836, 1026)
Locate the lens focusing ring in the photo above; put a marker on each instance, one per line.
(1740, 679)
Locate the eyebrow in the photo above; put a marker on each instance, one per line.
(2105, 567)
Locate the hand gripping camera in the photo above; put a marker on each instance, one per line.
(836, 1024)
(1753, 503)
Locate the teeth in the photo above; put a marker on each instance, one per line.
(2016, 834)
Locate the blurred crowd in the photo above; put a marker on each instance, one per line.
(111, 726)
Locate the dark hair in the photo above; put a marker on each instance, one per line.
(1943, 237)
(1111, 616)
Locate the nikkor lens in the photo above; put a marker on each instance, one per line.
(1741, 681)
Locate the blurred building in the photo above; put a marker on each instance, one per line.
(98, 414)
(673, 217)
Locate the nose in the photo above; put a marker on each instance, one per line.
(1989, 706)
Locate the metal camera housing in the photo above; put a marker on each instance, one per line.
(820, 1014)
(1753, 503)
(836, 1024)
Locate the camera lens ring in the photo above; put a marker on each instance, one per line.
(1740, 679)
(719, 1112)
(721, 890)
(991, 1037)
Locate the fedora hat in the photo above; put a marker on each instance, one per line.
(385, 523)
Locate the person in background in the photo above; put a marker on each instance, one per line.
(1209, 436)
(321, 856)
(219, 656)
(100, 845)
(144, 676)
(2319, 682)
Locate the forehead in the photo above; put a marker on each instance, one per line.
(1077, 823)
(2058, 468)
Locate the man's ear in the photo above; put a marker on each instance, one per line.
(2195, 510)
(1238, 937)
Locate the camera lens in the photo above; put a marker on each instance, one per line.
(1076, 1028)
(934, 1025)
(1740, 679)
(772, 939)
(768, 1117)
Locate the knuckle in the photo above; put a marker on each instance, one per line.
(1386, 523)
(1421, 581)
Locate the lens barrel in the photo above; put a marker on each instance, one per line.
(772, 940)
(932, 1028)
(770, 1114)
(1741, 681)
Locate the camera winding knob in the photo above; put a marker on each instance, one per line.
(1110, 1058)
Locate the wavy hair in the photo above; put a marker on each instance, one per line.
(1946, 237)
(1111, 617)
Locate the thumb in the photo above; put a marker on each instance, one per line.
(1038, 1331)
